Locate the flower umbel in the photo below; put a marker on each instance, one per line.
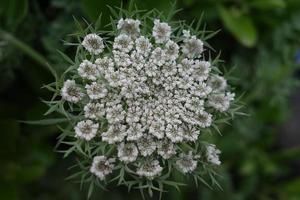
(186, 163)
(139, 104)
(70, 92)
(86, 129)
(102, 166)
(93, 44)
(212, 154)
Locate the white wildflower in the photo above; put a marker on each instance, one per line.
(186, 163)
(158, 56)
(88, 70)
(150, 169)
(157, 128)
(122, 59)
(172, 50)
(152, 70)
(115, 133)
(104, 64)
(134, 113)
(102, 166)
(146, 97)
(194, 104)
(123, 43)
(174, 133)
(135, 131)
(204, 119)
(129, 27)
(112, 77)
(86, 129)
(192, 47)
(217, 83)
(96, 90)
(165, 148)
(212, 154)
(115, 114)
(201, 70)
(70, 92)
(190, 133)
(185, 67)
(127, 152)
(146, 145)
(94, 110)
(201, 90)
(161, 31)
(186, 34)
(93, 44)
(220, 102)
(143, 45)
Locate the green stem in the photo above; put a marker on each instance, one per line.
(25, 48)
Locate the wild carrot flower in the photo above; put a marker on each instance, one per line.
(141, 103)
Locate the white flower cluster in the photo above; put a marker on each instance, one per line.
(150, 169)
(102, 166)
(186, 162)
(147, 96)
(212, 154)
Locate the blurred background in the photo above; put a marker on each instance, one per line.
(260, 39)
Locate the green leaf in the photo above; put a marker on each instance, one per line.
(240, 25)
(52, 109)
(66, 58)
(90, 191)
(47, 121)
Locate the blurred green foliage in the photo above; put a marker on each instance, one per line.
(259, 37)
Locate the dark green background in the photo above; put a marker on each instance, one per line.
(260, 38)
